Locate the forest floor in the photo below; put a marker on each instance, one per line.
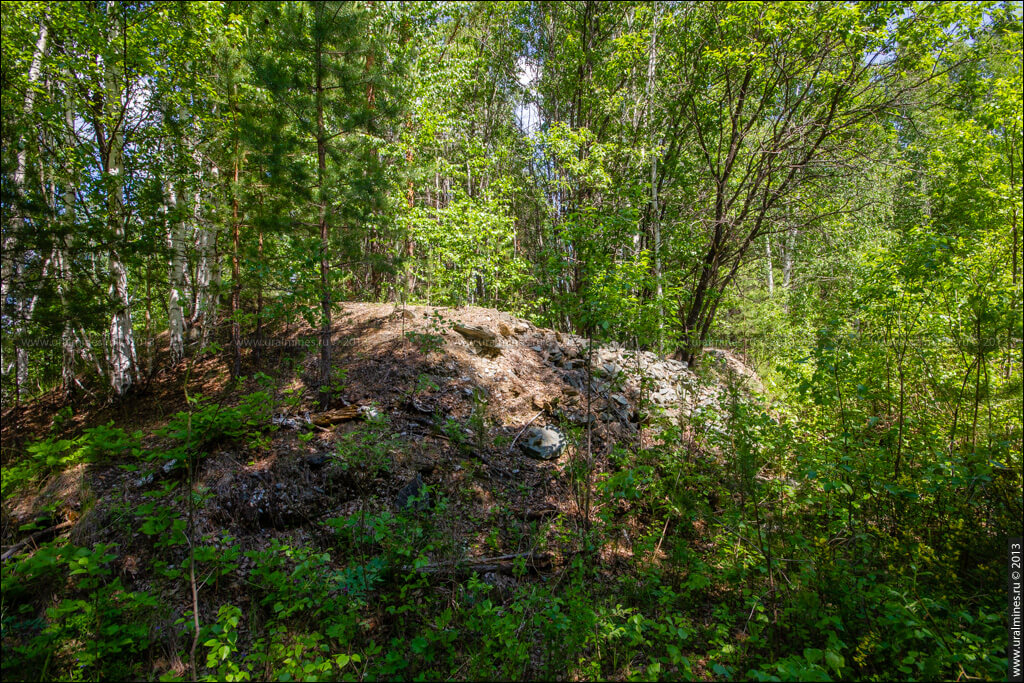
(445, 405)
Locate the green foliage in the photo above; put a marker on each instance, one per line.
(96, 632)
(627, 171)
(223, 645)
(101, 445)
(471, 257)
(207, 423)
(367, 451)
(425, 342)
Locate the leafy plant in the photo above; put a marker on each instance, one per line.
(425, 342)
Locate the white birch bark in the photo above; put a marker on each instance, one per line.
(67, 337)
(207, 279)
(203, 270)
(176, 277)
(20, 371)
(8, 268)
(655, 211)
(122, 341)
(85, 351)
(768, 256)
(789, 257)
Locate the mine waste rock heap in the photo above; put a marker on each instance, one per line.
(628, 387)
(535, 369)
(430, 372)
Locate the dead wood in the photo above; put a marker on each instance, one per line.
(333, 417)
(10, 552)
(502, 564)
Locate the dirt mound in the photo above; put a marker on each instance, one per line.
(428, 393)
(517, 369)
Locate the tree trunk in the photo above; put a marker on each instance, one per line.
(122, 340)
(236, 283)
(8, 268)
(259, 300)
(325, 273)
(207, 272)
(789, 256)
(693, 316)
(655, 210)
(150, 341)
(67, 338)
(236, 291)
(176, 277)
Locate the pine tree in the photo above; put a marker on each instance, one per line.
(319, 68)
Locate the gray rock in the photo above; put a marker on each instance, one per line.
(317, 460)
(423, 464)
(413, 495)
(476, 333)
(543, 443)
(290, 422)
(664, 395)
(368, 413)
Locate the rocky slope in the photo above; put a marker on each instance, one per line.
(432, 401)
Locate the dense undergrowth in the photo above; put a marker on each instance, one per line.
(772, 549)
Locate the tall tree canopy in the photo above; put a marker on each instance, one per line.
(597, 165)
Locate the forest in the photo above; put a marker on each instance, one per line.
(538, 340)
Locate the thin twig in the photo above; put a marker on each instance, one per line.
(513, 445)
(657, 548)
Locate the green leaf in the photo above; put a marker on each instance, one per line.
(834, 660)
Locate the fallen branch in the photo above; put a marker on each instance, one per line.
(13, 550)
(513, 445)
(532, 515)
(335, 416)
(503, 564)
(513, 556)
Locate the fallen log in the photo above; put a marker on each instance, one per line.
(13, 550)
(333, 417)
(502, 564)
(534, 514)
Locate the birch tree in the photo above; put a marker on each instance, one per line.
(110, 136)
(12, 264)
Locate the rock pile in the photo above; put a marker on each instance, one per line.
(261, 500)
(619, 378)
